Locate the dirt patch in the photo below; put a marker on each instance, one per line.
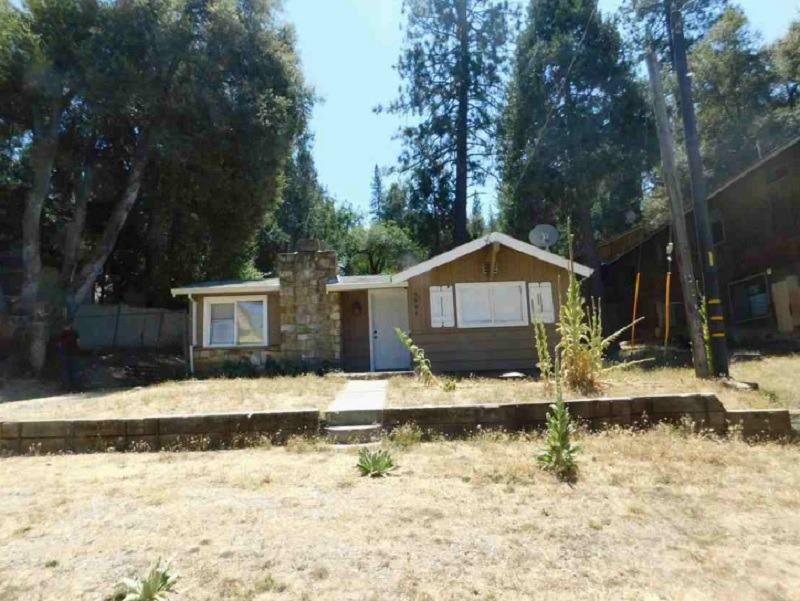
(185, 396)
(654, 513)
(776, 376)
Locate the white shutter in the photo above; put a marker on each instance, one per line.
(541, 302)
(442, 314)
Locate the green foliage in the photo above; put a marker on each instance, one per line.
(559, 454)
(375, 464)
(306, 210)
(422, 365)
(156, 585)
(179, 87)
(733, 90)
(380, 248)
(545, 360)
(576, 134)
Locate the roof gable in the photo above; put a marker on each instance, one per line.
(477, 244)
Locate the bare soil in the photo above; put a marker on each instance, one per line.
(654, 515)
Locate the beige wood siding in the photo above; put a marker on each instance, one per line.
(273, 317)
(355, 330)
(479, 349)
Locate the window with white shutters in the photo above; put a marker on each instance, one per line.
(442, 314)
(491, 304)
(541, 301)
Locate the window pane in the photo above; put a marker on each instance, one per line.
(221, 311)
(476, 308)
(251, 322)
(509, 306)
(222, 323)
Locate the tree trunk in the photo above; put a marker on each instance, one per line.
(684, 252)
(697, 178)
(94, 266)
(43, 154)
(72, 242)
(462, 124)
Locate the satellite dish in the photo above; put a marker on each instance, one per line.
(543, 235)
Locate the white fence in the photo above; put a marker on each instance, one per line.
(121, 326)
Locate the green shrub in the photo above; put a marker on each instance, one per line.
(375, 464)
(157, 585)
(559, 453)
(581, 347)
(407, 435)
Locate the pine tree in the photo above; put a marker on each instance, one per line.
(376, 188)
(452, 68)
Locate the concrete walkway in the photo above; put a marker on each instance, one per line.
(361, 395)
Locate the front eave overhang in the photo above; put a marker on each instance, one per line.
(348, 286)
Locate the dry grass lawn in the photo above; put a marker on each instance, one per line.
(778, 377)
(187, 396)
(654, 515)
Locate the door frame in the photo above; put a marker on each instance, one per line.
(370, 294)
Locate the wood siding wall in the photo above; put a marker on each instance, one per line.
(479, 349)
(355, 330)
(760, 214)
(273, 318)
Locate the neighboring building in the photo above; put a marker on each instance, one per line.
(755, 221)
(469, 308)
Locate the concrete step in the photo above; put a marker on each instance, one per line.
(353, 434)
(376, 375)
(354, 417)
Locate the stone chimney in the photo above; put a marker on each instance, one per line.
(311, 326)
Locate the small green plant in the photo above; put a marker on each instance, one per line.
(559, 453)
(422, 365)
(407, 435)
(157, 584)
(545, 363)
(375, 464)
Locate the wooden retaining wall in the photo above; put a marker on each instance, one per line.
(216, 430)
(208, 431)
(705, 410)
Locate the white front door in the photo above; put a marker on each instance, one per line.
(388, 309)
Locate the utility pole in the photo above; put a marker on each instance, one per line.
(716, 317)
(684, 254)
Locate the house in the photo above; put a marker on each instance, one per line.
(469, 308)
(755, 222)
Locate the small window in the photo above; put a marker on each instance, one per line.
(442, 314)
(750, 299)
(491, 304)
(240, 321)
(540, 296)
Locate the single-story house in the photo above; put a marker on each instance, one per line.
(755, 224)
(470, 308)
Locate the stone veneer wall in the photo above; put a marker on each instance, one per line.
(311, 324)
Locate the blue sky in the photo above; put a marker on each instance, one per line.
(348, 48)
